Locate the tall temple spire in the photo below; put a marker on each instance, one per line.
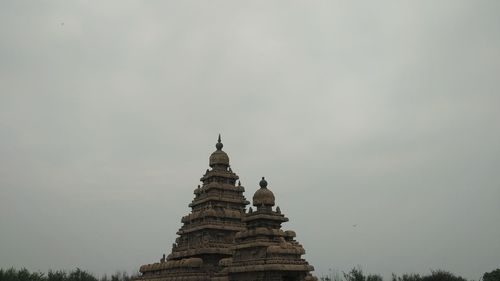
(207, 232)
(219, 144)
(219, 158)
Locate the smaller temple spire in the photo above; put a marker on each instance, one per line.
(219, 144)
(263, 197)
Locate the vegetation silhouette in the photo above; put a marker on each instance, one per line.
(355, 274)
(492, 276)
(12, 274)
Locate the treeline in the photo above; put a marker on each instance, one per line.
(59, 275)
(356, 274)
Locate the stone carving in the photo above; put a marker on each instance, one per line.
(219, 241)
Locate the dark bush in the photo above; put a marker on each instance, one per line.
(492, 276)
(441, 275)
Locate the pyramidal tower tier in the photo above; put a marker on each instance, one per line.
(220, 241)
(263, 251)
(207, 234)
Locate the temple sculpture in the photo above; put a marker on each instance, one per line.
(221, 241)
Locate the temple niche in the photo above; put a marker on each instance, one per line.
(221, 241)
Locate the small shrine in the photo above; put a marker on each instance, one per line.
(221, 241)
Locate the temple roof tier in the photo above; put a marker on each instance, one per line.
(212, 225)
(219, 186)
(262, 243)
(200, 251)
(260, 231)
(264, 216)
(212, 212)
(221, 198)
(219, 173)
(278, 266)
(189, 263)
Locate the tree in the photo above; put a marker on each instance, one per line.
(58, 275)
(80, 275)
(356, 274)
(492, 276)
(441, 275)
(406, 277)
(374, 277)
(12, 274)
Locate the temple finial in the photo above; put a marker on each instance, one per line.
(219, 144)
(263, 183)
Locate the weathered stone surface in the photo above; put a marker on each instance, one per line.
(220, 241)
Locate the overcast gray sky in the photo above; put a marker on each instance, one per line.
(383, 114)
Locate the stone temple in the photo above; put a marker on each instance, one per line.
(221, 241)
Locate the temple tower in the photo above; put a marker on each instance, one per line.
(220, 241)
(264, 252)
(207, 233)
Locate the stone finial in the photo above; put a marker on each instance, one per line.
(278, 210)
(219, 144)
(263, 183)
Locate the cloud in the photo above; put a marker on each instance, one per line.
(382, 115)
